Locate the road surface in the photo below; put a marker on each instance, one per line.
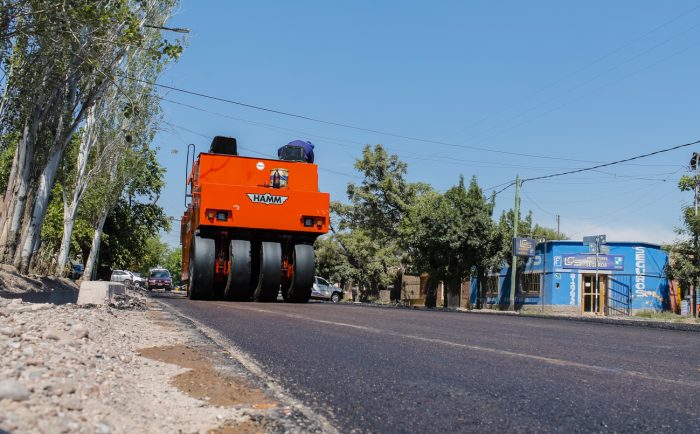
(397, 370)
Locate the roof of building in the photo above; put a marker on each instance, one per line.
(579, 242)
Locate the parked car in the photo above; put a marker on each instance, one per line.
(122, 276)
(159, 278)
(138, 280)
(322, 290)
(75, 270)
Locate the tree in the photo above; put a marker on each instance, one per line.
(450, 235)
(331, 260)
(63, 61)
(124, 209)
(173, 262)
(684, 260)
(368, 227)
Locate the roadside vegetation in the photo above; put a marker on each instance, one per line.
(78, 175)
(391, 227)
(684, 253)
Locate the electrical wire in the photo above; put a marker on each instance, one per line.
(350, 126)
(582, 84)
(581, 69)
(591, 92)
(612, 163)
(414, 156)
(262, 154)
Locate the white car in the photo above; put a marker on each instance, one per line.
(127, 278)
(138, 280)
(322, 290)
(122, 276)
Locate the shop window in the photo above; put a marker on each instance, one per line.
(531, 283)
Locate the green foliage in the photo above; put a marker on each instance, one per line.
(173, 262)
(452, 235)
(684, 254)
(369, 225)
(331, 261)
(126, 233)
(527, 228)
(63, 59)
(155, 253)
(8, 144)
(158, 254)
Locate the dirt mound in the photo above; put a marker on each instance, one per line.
(13, 282)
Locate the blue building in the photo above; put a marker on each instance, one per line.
(561, 277)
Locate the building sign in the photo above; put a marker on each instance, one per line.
(523, 247)
(587, 262)
(640, 270)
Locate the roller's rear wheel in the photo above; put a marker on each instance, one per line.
(238, 283)
(302, 281)
(270, 272)
(201, 269)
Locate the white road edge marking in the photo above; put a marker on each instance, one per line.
(548, 360)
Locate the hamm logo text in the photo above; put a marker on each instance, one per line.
(267, 198)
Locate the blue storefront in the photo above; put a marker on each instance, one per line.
(562, 276)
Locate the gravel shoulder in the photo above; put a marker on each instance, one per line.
(126, 368)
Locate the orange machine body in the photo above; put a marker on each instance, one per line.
(252, 198)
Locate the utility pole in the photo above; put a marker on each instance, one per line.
(557, 216)
(516, 218)
(695, 163)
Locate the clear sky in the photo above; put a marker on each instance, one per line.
(573, 83)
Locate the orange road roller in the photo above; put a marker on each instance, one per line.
(250, 224)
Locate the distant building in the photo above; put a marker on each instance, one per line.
(561, 278)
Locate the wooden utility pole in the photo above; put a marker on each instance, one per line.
(516, 218)
(695, 161)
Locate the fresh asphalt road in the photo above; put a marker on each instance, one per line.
(388, 370)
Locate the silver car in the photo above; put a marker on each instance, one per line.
(122, 276)
(322, 290)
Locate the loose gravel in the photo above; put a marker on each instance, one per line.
(69, 369)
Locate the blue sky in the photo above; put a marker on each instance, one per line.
(570, 82)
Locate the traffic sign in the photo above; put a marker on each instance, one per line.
(594, 239)
(599, 248)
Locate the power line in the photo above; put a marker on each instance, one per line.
(586, 169)
(263, 154)
(485, 134)
(349, 126)
(597, 89)
(583, 68)
(337, 141)
(661, 151)
(415, 156)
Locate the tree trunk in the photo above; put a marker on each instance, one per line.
(395, 294)
(453, 290)
(94, 249)
(431, 291)
(69, 214)
(70, 210)
(17, 193)
(41, 201)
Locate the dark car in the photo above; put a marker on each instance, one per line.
(159, 278)
(76, 270)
